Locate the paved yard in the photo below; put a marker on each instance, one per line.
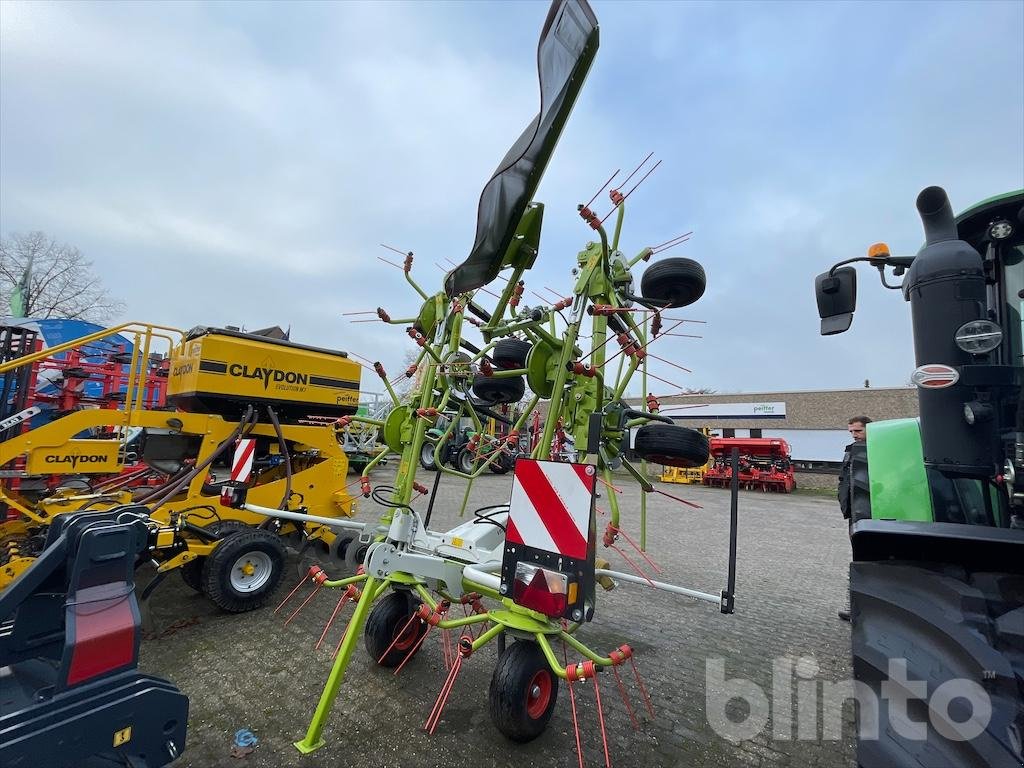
(251, 672)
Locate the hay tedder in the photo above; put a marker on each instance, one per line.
(526, 567)
(239, 407)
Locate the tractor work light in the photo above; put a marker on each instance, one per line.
(542, 590)
(976, 412)
(1000, 230)
(977, 337)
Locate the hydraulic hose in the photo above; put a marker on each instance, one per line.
(287, 458)
(245, 425)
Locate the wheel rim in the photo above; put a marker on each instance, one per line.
(251, 571)
(405, 635)
(538, 694)
(427, 454)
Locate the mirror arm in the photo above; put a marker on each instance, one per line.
(837, 265)
(881, 275)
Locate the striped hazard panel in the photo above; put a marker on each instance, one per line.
(551, 506)
(241, 465)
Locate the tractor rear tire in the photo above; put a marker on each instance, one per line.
(947, 624)
(244, 570)
(388, 636)
(511, 353)
(673, 283)
(523, 692)
(192, 571)
(494, 391)
(672, 445)
(465, 462)
(427, 457)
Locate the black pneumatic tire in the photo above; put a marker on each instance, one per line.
(672, 445)
(511, 353)
(225, 578)
(948, 624)
(465, 462)
(355, 554)
(674, 282)
(192, 571)
(388, 618)
(523, 692)
(427, 457)
(494, 391)
(503, 463)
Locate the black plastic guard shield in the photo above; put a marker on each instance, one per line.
(568, 43)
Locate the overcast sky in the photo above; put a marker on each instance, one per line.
(239, 163)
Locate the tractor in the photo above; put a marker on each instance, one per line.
(937, 502)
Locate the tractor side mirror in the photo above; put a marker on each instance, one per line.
(837, 299)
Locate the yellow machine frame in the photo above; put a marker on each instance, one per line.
(319, 487)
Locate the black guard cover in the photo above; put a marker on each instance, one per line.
(565, 52)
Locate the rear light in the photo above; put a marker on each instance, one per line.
(103, 624)
(541, 590)
(233, 495)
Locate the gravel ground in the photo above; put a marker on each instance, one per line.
(250, 671)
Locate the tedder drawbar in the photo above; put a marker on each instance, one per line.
(527, 568)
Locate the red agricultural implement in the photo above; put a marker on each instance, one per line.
(765, 463)
(94, 376)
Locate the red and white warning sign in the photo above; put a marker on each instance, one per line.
(551, 506)
(241, 465)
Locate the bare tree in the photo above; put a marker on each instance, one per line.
(61, 280)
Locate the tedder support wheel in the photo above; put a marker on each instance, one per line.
(673, 283)
(244, 570)
(960, 632)
(672, 445)
(511, 353)
(388, 636)
(192, 571)
(523, 692)
(494, 391)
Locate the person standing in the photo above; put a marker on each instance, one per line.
(857, 427)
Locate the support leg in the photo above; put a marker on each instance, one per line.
(314, 734)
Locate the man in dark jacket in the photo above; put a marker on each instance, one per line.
(857, 427)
